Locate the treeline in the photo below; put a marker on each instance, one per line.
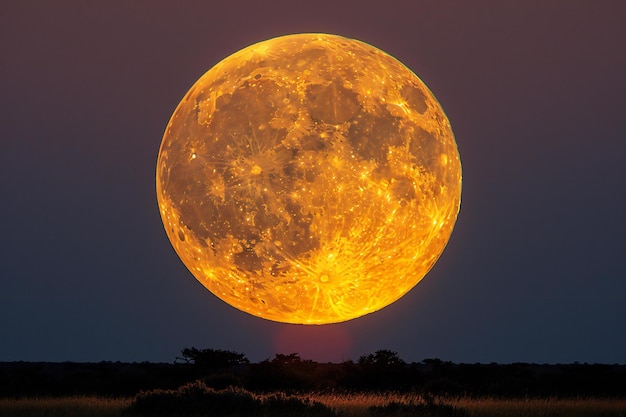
(383, 370)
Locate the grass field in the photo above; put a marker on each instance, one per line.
(577, 407)
(356, 405)
(350, 405)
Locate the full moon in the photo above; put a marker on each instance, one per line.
(309, 179)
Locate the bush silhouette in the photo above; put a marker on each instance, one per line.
(192, 399)
(211, 360)
(382, 359)
(196, 399)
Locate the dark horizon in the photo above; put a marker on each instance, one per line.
(180, 359)
(382, 371)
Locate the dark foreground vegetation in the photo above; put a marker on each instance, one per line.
(380, 371)
(213, 382)
(198, 399)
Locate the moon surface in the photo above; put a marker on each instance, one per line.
(309, 179)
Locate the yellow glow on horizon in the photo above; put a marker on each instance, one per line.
(309, 179)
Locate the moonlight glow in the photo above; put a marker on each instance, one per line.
(309, 179)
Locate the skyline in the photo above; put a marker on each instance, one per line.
(534, 270)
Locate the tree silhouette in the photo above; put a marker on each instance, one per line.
(382, 369)
(293, 359)
(381, 359)
(211, 359)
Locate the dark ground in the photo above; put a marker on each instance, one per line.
(290, 373)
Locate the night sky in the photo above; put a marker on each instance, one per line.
(535, 270)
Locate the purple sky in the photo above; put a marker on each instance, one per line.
(535, 270)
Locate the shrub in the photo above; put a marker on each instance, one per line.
(193, 399)
(196, 399)
(279, 404)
